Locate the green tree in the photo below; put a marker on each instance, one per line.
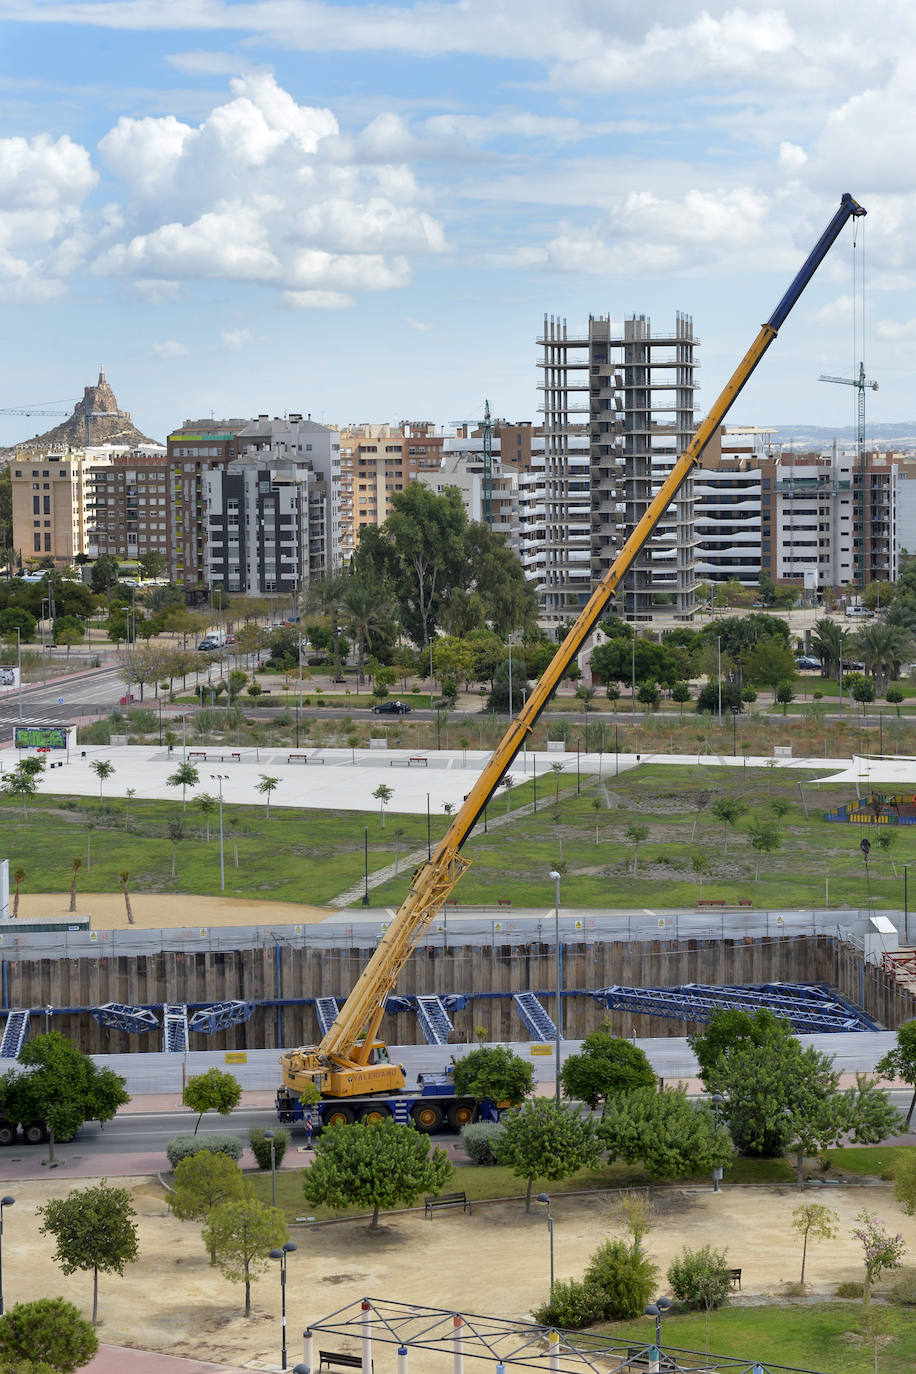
(378, 1164)
(152, 564)
(900, 1062)
(495, 1074)
(784, 694)
(728, 810)
(94, 1229)
(19, 782)
(542, 1139)
(765, 839)
(240, 1236)
(48, 1332)
(647, 694)
(366, 606)
(383, 794)
(681, 693)
(830, 643)
(18, 880)
(15, 618)
(103, 771)
(265, 787)
(636, 833)
(813, 1221)
(213, 1091)
(905, 1180)
(769, 664)
(76, 865)
(204, 1181)
(607, 1064)
(185, 776)
(62, 1088)
(206, 805)
(625, 1277)
(103, 575)
(669, 1135)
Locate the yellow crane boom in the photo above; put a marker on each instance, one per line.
(342, 1065)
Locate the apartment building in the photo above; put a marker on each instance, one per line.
(829, 520)
(462, 466)
(127, 506)
(627, 396)
(194, 449)
(375, 462)
(55, 498)
(260, 527)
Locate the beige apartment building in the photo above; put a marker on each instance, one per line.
(375, 462)
(50, 495)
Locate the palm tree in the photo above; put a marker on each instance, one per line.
(77, 865)
(830, 643)
(103, 770)
(557, 769)
(265, 787)
(122, 879)
(366, 608)
(207, 805)
(131, 792)
(327, 596)
(18, 879)
(883, 648)
(185, 776)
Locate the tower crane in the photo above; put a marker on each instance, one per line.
(862, 384)
(350, 1062)
(487, 428)
(33, 411)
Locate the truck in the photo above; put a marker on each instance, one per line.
(350, 1068)
(214, 639)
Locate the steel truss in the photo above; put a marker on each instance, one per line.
(513, 1344)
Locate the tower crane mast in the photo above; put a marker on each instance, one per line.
(862, 384)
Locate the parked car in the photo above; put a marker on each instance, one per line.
(391, 708)
(125, 701)
(808, 662)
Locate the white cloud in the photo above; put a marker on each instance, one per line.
(318, 300)
(155, 290)
(791, 157)
(169, 348)
(43, 185)
(236, 338)
(839, 311)
(896, 331)
(208, 63)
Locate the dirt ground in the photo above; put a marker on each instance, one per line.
(154, 911)
(494, 1262)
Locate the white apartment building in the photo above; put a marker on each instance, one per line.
(461, 466)
(304, 443)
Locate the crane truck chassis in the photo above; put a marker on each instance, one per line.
(350, 1067)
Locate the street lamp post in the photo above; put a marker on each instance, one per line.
(282, 1256)
(269, 1135)
(558, 1016)
(429, 842)
(366, 864)
(578, 775)
(906, 905)
(220, 778)
(719, 672)
(6, 1201)
(19, 664)
(655, 1309)
(545, 1199)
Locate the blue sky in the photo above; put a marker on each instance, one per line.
(364, 211)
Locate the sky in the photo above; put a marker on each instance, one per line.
(364, 211)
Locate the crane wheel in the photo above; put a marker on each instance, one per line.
(427, 1117)
(338, 1116)
(371, 1116)
(35, 1133)
(460, 1114)
(7, 1133)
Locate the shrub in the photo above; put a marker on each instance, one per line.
(701, 1278)
(479, 1140)
(903, 1290)
(572, 1306)
(181, 1146)
(625, 1276)
(850, 1290)
(260, 1147)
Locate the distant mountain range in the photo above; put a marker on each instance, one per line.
(901, 434)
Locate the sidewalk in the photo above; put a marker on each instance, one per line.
(119, 1359)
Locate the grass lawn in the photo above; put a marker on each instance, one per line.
(590, 844)
(498, 1181)
(875, 1161)
(312, 856)
(817, 1336)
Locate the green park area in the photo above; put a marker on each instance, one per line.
(659, 836)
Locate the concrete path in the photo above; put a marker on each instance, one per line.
(119, 1359)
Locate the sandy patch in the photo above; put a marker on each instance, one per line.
(154, 911)
(495, 1261)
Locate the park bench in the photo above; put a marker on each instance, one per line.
(207, 756)
(433, 1204)
(302, 758)
(326, 1358)
(735, 1276)
(721, 905)
(198, 754)
(417, 758)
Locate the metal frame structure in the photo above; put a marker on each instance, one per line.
(811, 1008)
(510, 1344)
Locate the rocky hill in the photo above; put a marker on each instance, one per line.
(96, 419)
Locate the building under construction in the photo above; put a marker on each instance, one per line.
(618, 409)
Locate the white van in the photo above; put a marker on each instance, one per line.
(858, 612)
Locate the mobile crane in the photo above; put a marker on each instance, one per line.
(351, 1067)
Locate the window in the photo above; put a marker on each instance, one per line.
(35, 505)
(47, 505)
(47, 543)
(37, 543)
